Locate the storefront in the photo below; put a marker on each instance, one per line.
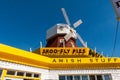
(30, 66)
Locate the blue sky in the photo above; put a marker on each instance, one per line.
(23, 23)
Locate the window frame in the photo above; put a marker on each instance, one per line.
(88, 76)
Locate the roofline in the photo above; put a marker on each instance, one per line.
(11, 54)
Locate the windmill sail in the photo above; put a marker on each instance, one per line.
(116, 5)
(76, 24)
(65, 16)
(81, 40)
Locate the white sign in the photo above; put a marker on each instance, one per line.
(116, 5)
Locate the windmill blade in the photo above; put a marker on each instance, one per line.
(72, 44)
(76, 24)
(68, 36)
(65, 16)
(81, 40)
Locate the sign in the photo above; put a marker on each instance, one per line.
(64, 51)
(116, 5)
(85, 60)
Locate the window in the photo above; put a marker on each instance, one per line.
(36, 75)
(8, 79)
(99, 77)
(84, 77)
(70, 77)
(1, 72)
(77, 78)
(61, 77)
(92, 77)
(107, 77)
(28, 74)
(20, 73)
(10, 72)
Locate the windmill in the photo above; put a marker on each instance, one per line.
(72, 32)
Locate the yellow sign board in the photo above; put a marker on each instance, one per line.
(85, 60)
(64, 51)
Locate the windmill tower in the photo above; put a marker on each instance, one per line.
(63, 35)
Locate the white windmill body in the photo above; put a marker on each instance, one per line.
(58, 29)
(66, 30)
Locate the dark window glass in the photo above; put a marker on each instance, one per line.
(20, 73)
(92, 77)
(107, 77)
(69, 77)
(36, 75)
(1, 72)
(84, 77)
(61, 77)
(8, 79)
(99, 77)
(28, 74)
(76, 77)
(9, 72)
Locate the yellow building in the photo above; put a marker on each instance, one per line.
(19, 64)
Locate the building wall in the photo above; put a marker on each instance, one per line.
(115, 73)
(54, 74)
(13, 66)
